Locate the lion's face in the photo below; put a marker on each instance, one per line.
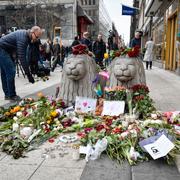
(75, 68)
(125, 69)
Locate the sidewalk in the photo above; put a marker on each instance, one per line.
(24, 88)
(164, 89)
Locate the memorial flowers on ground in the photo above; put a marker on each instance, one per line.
(32, 122)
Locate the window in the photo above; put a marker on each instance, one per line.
(89, 2)
(90, 12)
(82, 2)
(94, 2)
(2, 20)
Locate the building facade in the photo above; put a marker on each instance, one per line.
(161, 20)
(97, 11)
(49, 14)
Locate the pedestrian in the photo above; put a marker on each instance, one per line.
(99, 48)
(136, 41)
(149, 54)
(59, 54)
(15, 42)
(76, 41)
(85, 40)
(48, 50)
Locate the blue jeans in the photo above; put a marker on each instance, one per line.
(8, 72)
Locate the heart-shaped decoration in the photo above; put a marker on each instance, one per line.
(85, 104)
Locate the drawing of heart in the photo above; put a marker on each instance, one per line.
(85, 104)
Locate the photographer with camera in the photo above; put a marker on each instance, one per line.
(15, 42)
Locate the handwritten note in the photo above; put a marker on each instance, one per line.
(160, 147)
(85, 105)
(113, 108)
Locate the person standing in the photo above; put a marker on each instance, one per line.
(136, 41)
(149, 54)
(15, 42)
(59, 54)
(85, 40)
(48, 50)
(99, 48)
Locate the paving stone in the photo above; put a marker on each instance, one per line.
(32, 158)
(144, 176)
(106, 169)
(156, 167)
(16, 172)
(57, 173)
(2, 155)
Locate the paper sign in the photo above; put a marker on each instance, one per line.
(113, 108)
(85, 105)
(160, 147)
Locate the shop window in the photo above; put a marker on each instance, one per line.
(2, 20)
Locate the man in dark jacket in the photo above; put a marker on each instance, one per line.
(15, 42)
(136, 41)
(85, 40)
(99, 48)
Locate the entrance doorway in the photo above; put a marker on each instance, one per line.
(171, 63)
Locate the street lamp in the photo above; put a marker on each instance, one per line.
(34, 4)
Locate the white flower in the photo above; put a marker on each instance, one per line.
(15, 118)
(15, 127)
(19, 114)
(124, 134)
(154, 116)
(133, 132)
(125, 123)
(133, 154)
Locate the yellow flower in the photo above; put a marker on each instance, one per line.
(7, 113)
(49, 122)
(12, 111)
(40, 94)
(54, 114)
(106, 55)
(17, 108)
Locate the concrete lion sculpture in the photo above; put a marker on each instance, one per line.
(78, 73)
(126, 72)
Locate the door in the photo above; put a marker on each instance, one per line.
(171, 63)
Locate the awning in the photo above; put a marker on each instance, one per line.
(82, 13)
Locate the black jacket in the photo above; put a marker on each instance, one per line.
(99, 48)
(17, 42)
(87, 42)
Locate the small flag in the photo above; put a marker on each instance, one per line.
(127, 10)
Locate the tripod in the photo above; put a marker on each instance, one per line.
(19, 67)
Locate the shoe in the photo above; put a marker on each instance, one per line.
(13, 98)
(6, 98)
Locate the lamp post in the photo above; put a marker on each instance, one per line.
(34, 4)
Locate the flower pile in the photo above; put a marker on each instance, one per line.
(32, 122)
(141, 100)
(130, 52)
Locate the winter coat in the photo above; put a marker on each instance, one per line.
(99, 48)
(87, 42)
(149, 54)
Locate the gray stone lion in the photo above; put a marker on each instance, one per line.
(78, 73)
(126, 72)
